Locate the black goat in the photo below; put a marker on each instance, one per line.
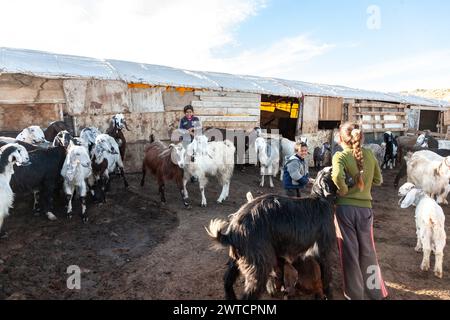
(273, 227)
(54, 128)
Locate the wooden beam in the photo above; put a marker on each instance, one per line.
(384, 113)
(385, 129)
(229, 118)
(383, 121)
(224, 104)
(441, 109)
(387, 106)
(223, 94)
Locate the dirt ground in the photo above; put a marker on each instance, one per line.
(134, 249)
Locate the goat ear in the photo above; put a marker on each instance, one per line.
(409, 199)
(12, 158)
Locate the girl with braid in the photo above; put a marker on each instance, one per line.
(354, 215)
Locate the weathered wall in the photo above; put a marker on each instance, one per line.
(22, 89)
(19, 116)
(26, 101)
(311, 109)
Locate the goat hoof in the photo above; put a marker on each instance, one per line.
(69, 216)
(51, 216)
(4, 235)
(85, 220)
(438, 274)
(424, 267)
(203, 205)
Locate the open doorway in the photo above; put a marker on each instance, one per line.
(429, 120)
(280, 113)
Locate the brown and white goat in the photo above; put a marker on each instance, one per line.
(166, 163)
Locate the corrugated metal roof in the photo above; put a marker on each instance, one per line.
(46, 64)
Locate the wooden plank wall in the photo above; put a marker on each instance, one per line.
(330, 109)
(233, 110)
(377, 117)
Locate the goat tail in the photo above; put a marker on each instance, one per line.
(215, 231)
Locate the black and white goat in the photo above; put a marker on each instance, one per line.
(118, 123)
(273, 227)
(87, 138)
(32, 135)
(106, 159)
(42, 177)
(10, 155)
(391, 147)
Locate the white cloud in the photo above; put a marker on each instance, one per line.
(278, 60)
(177, 33)
(173, 32)
(427, 70)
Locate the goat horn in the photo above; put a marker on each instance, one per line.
(126, 125)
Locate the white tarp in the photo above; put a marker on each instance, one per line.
(64, 66)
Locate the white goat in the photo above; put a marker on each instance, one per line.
(204, 159)
(430, 225)
(378, 151)
(75, 171)
(268, 154)
(32, 135)
(429, 172)
(10, 154)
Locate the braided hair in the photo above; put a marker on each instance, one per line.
(352, 135)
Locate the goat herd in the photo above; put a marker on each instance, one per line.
(30, 163)
(275, 241)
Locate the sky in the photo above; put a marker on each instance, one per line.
(387, 45)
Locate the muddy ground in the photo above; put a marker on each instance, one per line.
(134, 249)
